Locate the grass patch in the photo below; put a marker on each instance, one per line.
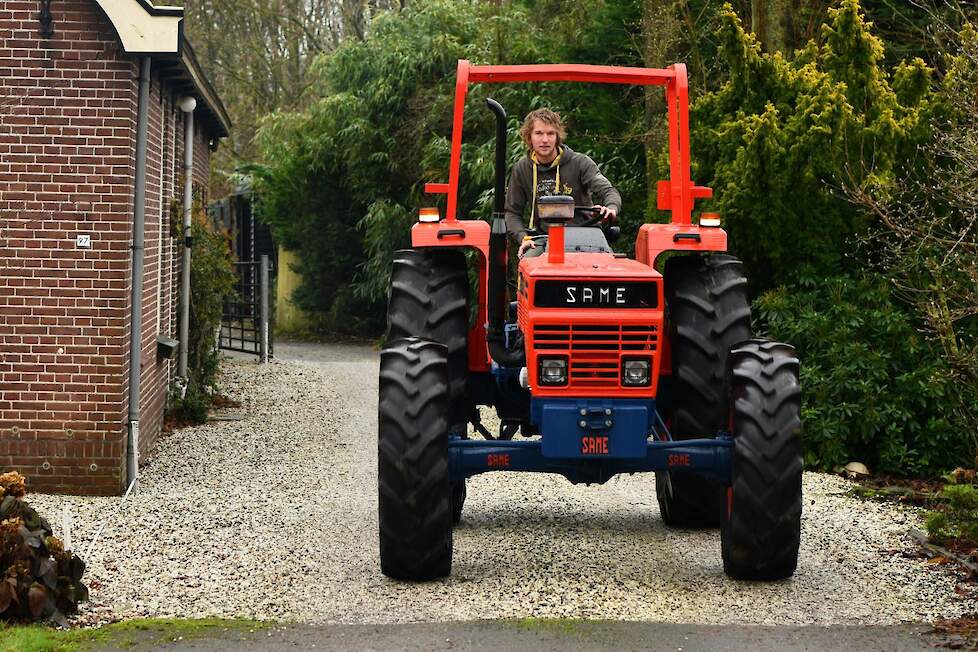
(556, 625)
(955, 520)
(37, 638)
(895, 494)
(30, 638)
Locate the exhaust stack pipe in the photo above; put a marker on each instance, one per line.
(496, 337)
(499, 200)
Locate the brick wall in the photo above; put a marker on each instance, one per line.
(67, 153)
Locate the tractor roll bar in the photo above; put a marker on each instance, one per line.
(575, 72)
(676, 195)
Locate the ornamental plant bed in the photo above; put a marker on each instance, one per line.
(951, 518)
(921, 492)
(39, 579)
(953, 522)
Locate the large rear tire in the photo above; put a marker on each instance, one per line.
(429, 299)
(414, 501)
(762, 532)
(709, 312)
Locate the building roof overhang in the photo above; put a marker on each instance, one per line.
(144, 29)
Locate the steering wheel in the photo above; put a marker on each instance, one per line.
(595, 215)
(595, 219)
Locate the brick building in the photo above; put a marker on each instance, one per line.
(69, 95)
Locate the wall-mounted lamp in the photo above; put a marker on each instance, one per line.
(47, 20)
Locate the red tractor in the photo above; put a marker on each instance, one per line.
(603, 364)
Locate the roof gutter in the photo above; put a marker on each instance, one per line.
(220, 121)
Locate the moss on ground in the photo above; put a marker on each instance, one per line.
(37, 638)
(558, 625)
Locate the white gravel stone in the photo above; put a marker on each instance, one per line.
(275, 517)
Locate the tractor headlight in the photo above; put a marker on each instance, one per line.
(553, 371)
(710, 219)
(636, 372)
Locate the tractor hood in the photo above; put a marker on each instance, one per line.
(588, 265)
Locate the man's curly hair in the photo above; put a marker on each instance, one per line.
(544, 115)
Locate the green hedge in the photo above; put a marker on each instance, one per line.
(874, 389)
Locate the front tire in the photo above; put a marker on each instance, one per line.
(709, 312)
(429, 298)
(762, 533)
(414, 501)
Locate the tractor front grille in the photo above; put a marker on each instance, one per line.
(595, 350)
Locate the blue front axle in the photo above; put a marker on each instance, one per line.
(468, 457)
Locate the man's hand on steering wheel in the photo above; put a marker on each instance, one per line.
(597, 214)
(607, 213)
(526, 245)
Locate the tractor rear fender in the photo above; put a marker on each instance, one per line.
(462, 234)
(655, 239)
(452, 233)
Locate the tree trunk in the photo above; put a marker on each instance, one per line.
(355, 18)
(770, 21)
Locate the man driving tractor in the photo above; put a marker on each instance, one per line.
(552, 168)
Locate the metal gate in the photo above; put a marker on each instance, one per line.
(246, 320)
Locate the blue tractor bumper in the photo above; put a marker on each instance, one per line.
(590, 441)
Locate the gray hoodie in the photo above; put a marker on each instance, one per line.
(579, 176)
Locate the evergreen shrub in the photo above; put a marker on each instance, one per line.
(874, 389)
(211, 280)
(782, 137)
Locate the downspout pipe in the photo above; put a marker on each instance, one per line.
(187, 105)
(136, 295)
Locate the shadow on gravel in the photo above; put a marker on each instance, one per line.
(556, 635)
(291, 351)
(550, 515)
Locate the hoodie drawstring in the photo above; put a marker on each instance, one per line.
(556, 161)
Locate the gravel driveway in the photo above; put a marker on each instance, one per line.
(274, 517)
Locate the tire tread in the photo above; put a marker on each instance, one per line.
(709, 313)
(414, 504)
(429, 299)
(762, 534)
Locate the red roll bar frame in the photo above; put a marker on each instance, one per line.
(676, 195)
